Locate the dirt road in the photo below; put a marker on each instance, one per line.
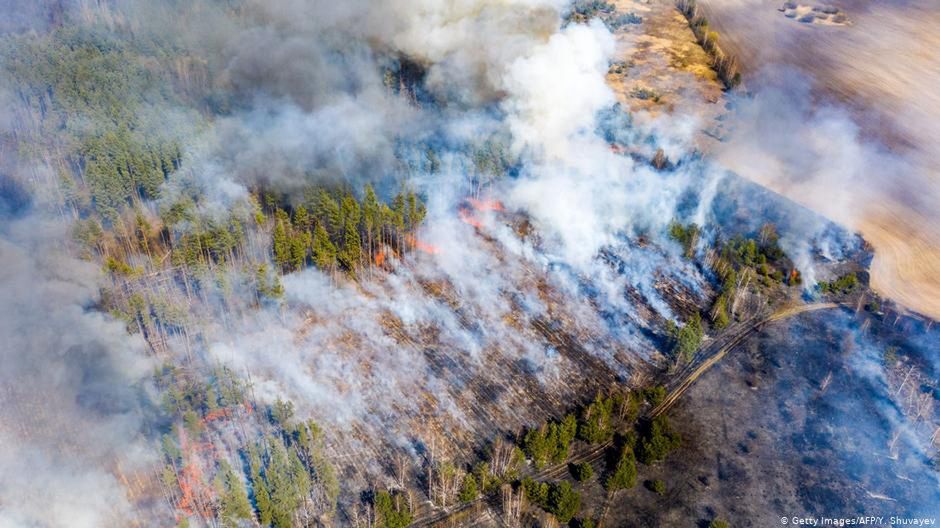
(712, 353)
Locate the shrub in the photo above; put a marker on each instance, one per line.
(891, 356)
(582, 471)
(657, 486)
(657, 441)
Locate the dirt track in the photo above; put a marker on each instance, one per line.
(714, 351)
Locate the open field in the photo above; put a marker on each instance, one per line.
(879, 71)
(663, 70)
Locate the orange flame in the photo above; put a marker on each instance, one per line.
(466, 211)
(468, 218)
(422, 246)
(794, 276)
(192, 487)
(486, 205)
(380, 258)
(217, 414)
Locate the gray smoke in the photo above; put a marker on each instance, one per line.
(73, 397)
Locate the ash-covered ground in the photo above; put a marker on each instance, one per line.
(800, 420)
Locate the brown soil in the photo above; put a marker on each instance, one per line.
(663, 70)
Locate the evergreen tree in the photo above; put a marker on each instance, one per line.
(416, 211)
(595, 426)
(535, 446)
(391, 512)
(234, 500)
(582, 472)
(371, 218)
(301, 218)
(268, 287)
(624, 475)
(324, 252)
(262, 501)
(298, 250)
(657, 441)
(284, 496)
(282, 253)
(351, 252)
(468, 488)
(563, 501)
(329, 213)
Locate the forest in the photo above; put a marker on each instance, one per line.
(294, 265)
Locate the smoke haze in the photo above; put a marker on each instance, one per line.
(551, 282)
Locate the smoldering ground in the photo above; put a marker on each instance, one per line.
(801, 420)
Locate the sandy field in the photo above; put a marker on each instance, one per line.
(663, 71)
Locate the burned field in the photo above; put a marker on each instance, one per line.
(800, 420)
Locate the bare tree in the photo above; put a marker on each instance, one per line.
(401, 464)
(513, 502)
(502, 458)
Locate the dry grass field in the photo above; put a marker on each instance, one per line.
(881, 68)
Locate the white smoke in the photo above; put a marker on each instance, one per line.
(81, 414)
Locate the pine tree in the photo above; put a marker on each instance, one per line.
(624, 475)
(595, 426)
(329, 213)
(399, 214)
(351, 252)
(536, 446)
(282, 253)
(468, 488)
(262, 501)
(563, 502)
(284, 492)
(234, 499)
(298, 250)
(270, 288)
(390, 511)
(301, 218)
(324, 252)
(416, 211)
(371, 219)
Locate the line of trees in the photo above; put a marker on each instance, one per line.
(336, 231)
(725, 65)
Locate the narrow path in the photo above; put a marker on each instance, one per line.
(721, 347)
